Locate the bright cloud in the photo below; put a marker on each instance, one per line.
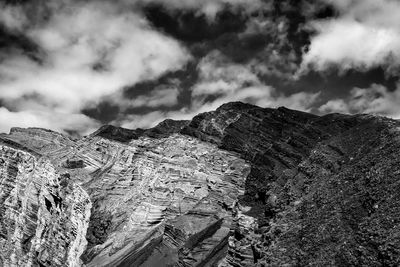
(375, 100)
(57, 121)
(366, 34)
(91, 50)
(12, 17)
(350, 44)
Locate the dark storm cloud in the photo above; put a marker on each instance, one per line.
(191, 27)
(230, 31)
(111, 107)
(248, 42)
(12, 42)
(226, 32)
(104, 112)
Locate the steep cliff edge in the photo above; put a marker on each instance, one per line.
(239, 186)
(43, 214)
(323, 191)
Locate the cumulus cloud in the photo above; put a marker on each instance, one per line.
(12, 17)
(375, 100)
(142, 121)
(57, 121)
(366, 34)
(151, 119)
(224, 81)
(91, 49)
(327, 48)
(351, 44)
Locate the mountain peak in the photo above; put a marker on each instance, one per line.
(238, 186)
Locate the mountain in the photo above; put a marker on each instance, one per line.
(239, 186)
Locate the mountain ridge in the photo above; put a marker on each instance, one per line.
(267, 187)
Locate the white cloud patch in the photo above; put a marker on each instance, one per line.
(143, 121)
(57, 121)
(92, 49)
(375, 100)
(366, 34)
(12, 17)
(351, 44)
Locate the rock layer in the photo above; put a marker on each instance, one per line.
(323, 191)
(43, 215)
(149, 187)
(240, 186)
(154, 200)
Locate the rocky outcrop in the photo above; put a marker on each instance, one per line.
(163, 129)
(42, 141)
(43, 214)
(148, 190)
(321, 189)
(239, 186)
(166, 199)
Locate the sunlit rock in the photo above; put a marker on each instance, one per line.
(240, 186)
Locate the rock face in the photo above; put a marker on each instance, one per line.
(240, 186)
(323, 191)
(43, 215)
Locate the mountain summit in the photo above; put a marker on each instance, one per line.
(239, 186)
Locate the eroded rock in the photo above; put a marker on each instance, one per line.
(42, 222)
(240, 186)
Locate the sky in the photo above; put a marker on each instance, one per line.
(74, 65)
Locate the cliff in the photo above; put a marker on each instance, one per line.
(239, 186)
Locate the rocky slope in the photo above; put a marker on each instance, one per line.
(240, 186)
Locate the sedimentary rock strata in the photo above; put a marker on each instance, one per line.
(44, 215)
(150, 188)
(322, 190)
(170, 198)
(240, 186)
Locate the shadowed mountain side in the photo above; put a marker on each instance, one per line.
(321, 188)
(163, 129)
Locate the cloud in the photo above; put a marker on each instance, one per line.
(350, 44)
(375, 100)
(335, 105)
(207, 7)
(303, 101)
(365, 34)
(142, 121)
(12, 17)
(224, 81)
(221, 81)
(89, 52)
(57, 121)
(161, 96)
(92, 49)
